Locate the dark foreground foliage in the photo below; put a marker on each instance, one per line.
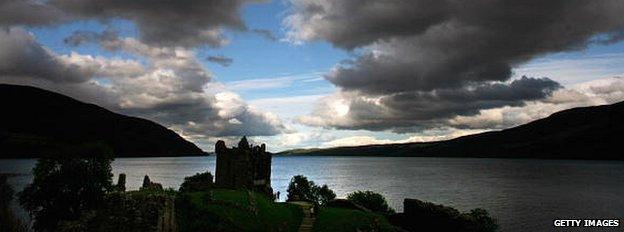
(234, 210)
(426, 216)
(371, 200)
(8, 220)
(332, 219)
(64, 188)
(300, 188)
(197, 182)
(123, 211)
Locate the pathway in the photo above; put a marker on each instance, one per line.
(308, 219)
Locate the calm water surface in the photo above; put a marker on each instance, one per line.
(525, 195)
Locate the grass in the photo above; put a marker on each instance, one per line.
(348, 220)
(234, 210)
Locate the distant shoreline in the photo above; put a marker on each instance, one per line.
(459, 157)
(359, 156)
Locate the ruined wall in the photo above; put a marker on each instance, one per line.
(243, 167)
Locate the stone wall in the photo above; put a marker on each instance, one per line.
(243, 167)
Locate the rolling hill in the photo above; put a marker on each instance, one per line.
(36, 122)
(594, 132)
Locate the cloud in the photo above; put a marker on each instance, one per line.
(272, 82)
(21, 55)
(28, 12)
(438, 134)
(159, 23)
(164, 84)
(597, 92)
(220, 60)
(288, 108)
(267, 34)
(409, 111)
(352, 23)
(418, 63)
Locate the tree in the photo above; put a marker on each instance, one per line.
(6, 192)
(370, 200)
(67, 185)
(197, 182)
(324, 194)
(8, 220)
(300, 188)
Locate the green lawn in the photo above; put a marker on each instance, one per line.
(348, 220)
(233, 210)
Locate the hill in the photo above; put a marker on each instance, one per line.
(37, 122)
(580, 133)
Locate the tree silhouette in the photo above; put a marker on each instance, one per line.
(63, 188)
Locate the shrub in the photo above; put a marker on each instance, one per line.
(370, 200)
(479, 220)
(197, 182)
(426, 216)
(123, 211)
(300, 188)
(64, 187)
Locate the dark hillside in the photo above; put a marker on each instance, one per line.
(37, 122)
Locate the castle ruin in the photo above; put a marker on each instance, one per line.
(243, 167)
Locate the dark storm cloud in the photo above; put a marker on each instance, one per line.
(28, 12)
(410, 111)
(477, 41)
(199, 115)
(22, 56)
(430, 59)
(186, 23)
(220, 60)
(354, 23)
(445, 103)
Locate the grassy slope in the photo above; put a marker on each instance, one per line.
(337, 219)
(231, 210)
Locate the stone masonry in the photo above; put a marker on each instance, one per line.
(243, 167)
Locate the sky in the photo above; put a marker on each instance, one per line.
(302, 73)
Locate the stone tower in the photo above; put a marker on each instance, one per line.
(243, 167)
